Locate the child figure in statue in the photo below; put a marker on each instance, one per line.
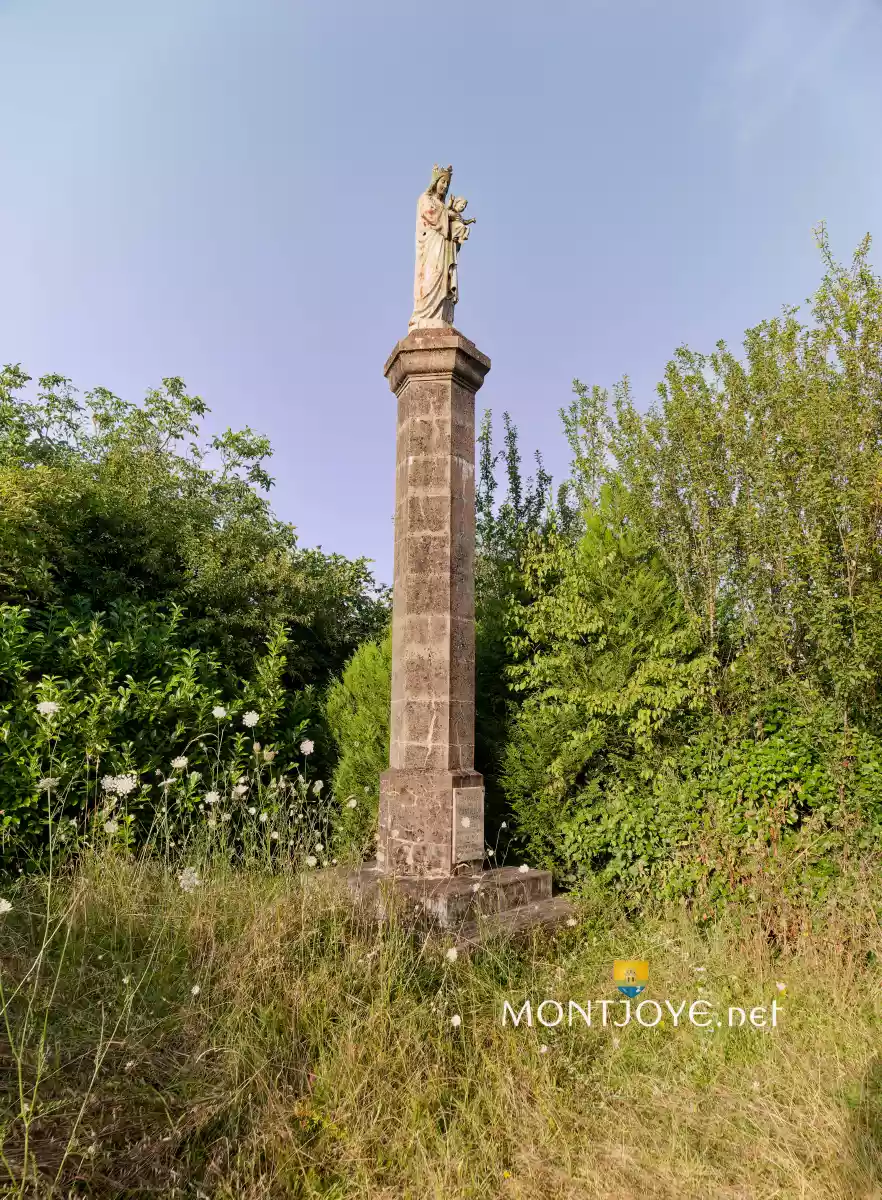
(458, 223)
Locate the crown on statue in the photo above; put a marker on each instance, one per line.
(438, 171)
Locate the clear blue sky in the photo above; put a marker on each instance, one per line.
(225, 191)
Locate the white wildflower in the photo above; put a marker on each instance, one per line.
(5, 906)
(572, 922)
(264, 816)
(189, 879)
(252, 811)
(307, 747)
(225, 817)
(367, 790)
(543, 1049)
(250, 719)
(318, 785)
(240, 789)
(47, 708)
(212, 823)
(452, 954)
(319, 847)
(127, 979)
(109, 783)
(123, 784)
(351, 802)
(523, 868)
(490, 851)
(311, 860)
(111, 827)
(218, 712)
(782, 987)
(47, 784)
(129, 1067)
(257, 747)
(456, 1020)
(195, 989)
(504, 825)
(269, 755)
(212, 797)
(179, 763)
(275, 835)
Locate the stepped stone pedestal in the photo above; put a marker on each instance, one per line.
(431, 820)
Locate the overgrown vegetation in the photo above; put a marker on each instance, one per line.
(700, 664)
(677, 650)
(254, 1035)
(144, 582)
(678, 667)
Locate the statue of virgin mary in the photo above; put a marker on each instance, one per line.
(434, 283)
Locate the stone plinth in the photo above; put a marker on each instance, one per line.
(453, 900)
(431, 798)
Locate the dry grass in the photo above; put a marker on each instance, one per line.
(319, 1059)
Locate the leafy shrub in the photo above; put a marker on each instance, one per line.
(357, 710)
(88, 697)
(104, 501)
(698, 655)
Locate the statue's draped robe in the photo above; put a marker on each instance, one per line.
(434, 284)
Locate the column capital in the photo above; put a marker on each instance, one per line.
(436, 352)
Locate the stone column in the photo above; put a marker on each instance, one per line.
(432, 798)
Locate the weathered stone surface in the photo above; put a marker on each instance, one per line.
(451, 900)
(435, 374)
(431, 822)
(511, 922)
(468, 824)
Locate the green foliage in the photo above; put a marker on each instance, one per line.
(130, 695)
(102, 500)
(699, 653)
(143, 581)
(502, 532)
(613, 677)
(357, 711)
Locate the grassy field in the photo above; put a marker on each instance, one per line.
(256, 1036)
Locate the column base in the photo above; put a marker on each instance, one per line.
(472, 905)
(431, 822)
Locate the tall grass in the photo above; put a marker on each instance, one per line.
(259, 1035)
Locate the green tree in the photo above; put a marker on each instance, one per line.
(102, 500)
(701, 667)
(358, 713)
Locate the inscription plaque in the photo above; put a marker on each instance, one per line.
(468, 824)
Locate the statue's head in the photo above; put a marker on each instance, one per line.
(440, 180)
